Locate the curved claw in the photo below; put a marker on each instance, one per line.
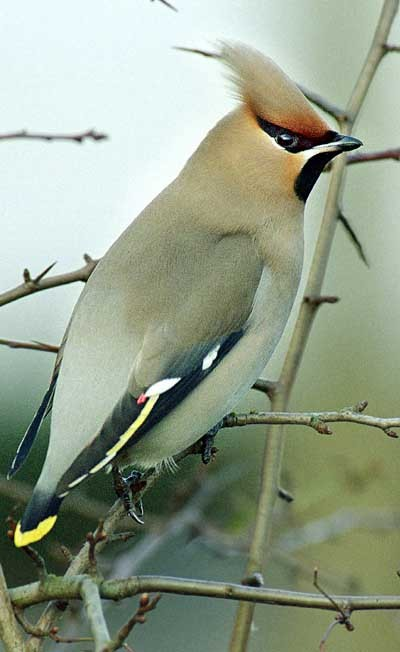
(131, 512)
(139, 508)
(123, 489)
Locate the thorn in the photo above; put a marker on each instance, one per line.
(353, 237)
(167, 4)
(26, 275)
(43, 274)
(87, 258)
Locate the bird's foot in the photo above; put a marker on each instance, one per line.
(208, 449)
(125, 488)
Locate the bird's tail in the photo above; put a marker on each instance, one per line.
(38, 519)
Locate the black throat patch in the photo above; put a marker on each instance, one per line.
(310, 172)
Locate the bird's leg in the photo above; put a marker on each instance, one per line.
(124, 488)
(207, 443)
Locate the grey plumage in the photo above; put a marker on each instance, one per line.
(214, 261)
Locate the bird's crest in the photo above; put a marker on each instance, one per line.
(269, 92)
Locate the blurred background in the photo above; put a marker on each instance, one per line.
(70, 67)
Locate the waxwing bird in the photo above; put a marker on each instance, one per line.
(183, 312)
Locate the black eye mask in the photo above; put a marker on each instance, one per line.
(291, 141)
(294, 143)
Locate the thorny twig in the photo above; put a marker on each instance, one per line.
(392, 48)
(79, 562)
(145, 605)
(273, 451)
(120, 589)
(392, 153)
(34, 345)
(89, 134)
(342, 618)
(43, 282)
(324, 104)
(93, 540)
(316, 420)
(35, 631)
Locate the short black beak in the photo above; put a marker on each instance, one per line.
(339, 144)
(346, 143)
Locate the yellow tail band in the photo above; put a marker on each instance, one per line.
(25, 538)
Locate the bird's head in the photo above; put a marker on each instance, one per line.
(276, 126)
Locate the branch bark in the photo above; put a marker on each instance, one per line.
(392, 153)
(61, 588)
(23, 134)
(315, 420)
(274, 443)
(89, 592)
(42, 282)
(9, 631)
(33, 346)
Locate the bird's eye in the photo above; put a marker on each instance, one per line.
(288, 141)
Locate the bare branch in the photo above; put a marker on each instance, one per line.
(145, 605)
(345, 614)
(270, 474)
(187, 516)
(332, 109)
(268, 387)
(89, 134)
(380, 155)
(39, 283)
(209, 54)
(93, 539)
(392, 48)
(342, 618)
(315, 98)
(315, 420)
(90, 595)
(34, 345)
(316, 301)
(322, 644)
(9, 632)
(70, 587)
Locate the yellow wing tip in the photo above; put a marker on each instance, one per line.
(26, 538)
